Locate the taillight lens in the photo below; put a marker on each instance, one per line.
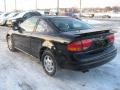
(82, 45)
(111, 38)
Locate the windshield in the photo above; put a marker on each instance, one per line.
(4, 14)
(11, 15)
(66, 24)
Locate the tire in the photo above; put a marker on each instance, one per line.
(49, 63)
(10, 44)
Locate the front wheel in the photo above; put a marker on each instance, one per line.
(49, 63)
(10, 44)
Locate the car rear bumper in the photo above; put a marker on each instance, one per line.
(88, 63)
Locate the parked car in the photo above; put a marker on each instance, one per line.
(106, 16)
(21, 17)
(12, 14)
(1, 13)
(100, 15)
(73, 15)
(62, 42)
(85, 15)
(2, 18)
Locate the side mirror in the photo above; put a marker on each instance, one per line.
(17, 28)
(20, 19)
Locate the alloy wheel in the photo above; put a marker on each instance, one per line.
(49, 64)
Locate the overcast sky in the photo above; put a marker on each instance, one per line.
(30, 4)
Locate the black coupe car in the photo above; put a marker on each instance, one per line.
(62, 42)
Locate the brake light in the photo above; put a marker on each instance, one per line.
(80, 45)
(86, 43)
(111, 38)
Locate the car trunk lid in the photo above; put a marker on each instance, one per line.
(92, 40)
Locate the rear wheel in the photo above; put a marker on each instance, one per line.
(49, 63)
(10, 44)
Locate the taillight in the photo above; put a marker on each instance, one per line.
(82, 45)
(111, 38)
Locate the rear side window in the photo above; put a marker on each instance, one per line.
(43, 27)
(27, 15)
(35, 14)
(29, 24)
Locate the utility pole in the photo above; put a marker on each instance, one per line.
(58, 7)
(80, 8)
(15, 6)
(5, 5)
(36, 4)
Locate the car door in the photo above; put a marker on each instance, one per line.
(38, 36)
(22, 37)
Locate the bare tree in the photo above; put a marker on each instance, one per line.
(116, 9)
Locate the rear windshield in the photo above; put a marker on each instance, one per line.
(35, 14)
(66, 24)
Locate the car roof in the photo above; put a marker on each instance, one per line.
(55, 16)
(48, 17)
(21, 14)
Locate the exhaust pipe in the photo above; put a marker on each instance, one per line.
(84, 71)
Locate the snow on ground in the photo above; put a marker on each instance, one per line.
(19, 71)
(93, 21)
(106, 23)
(113, 15)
